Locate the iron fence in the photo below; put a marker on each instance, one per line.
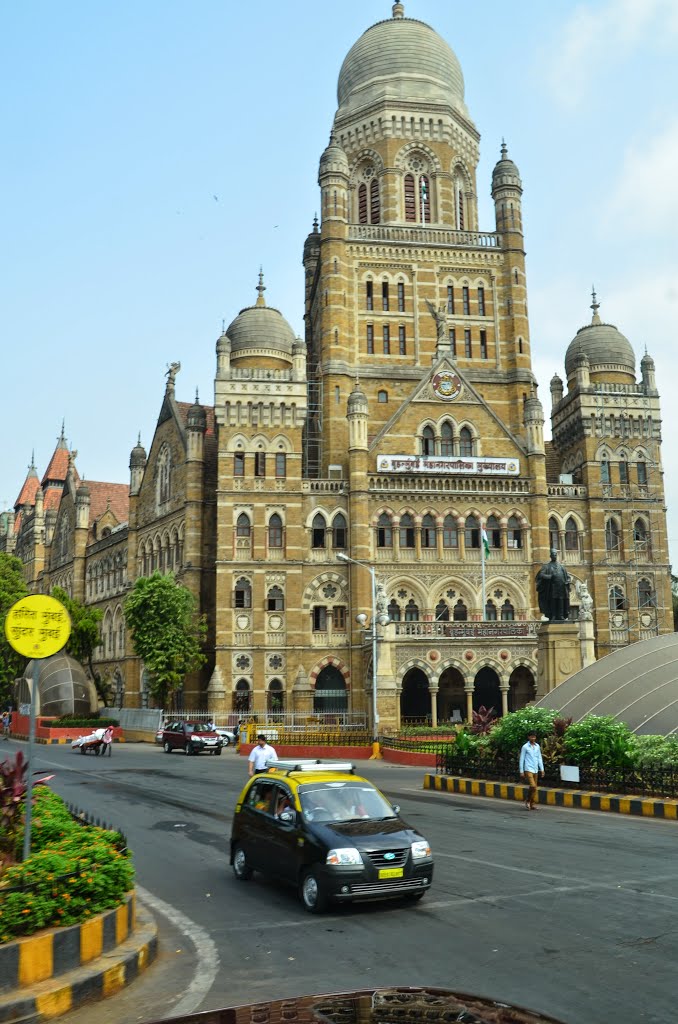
(659, 782)
(418, 744)
(324, 738)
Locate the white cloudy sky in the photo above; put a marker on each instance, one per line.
(157, 153)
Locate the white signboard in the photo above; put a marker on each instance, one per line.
(448, 464)
(24, 709)
(569, 773)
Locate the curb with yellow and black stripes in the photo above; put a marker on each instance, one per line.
(644, 807)
(58, 969)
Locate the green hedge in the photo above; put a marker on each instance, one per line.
(70, 721)
(74, 872)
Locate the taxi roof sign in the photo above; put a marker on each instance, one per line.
(310, 765)
(37, 626)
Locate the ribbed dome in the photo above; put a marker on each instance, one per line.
(505, 172)
(604, 346)
(197, 417)
(357, 400)
(260, 328)
(399, 59)
(334, 159)
(137, 456)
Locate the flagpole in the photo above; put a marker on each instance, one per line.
(483, 542)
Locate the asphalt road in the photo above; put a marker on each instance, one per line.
(568, 912)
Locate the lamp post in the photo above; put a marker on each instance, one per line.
(361, 619)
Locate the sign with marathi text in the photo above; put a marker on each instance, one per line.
(448, 464)
(37, 626)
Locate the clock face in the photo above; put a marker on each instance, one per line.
(446, 386)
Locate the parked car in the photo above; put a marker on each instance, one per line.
(227, 734)
(328, 832)
(191, 737)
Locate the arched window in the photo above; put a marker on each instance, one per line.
(243, 526)
(472, 532)
(641, 469)
(394, 611)
(384, 531)
(465, 442)
(612, 535)
(491, 611)
(339, 531)
(428, 532)
(374, 201)
(242, 697)
(646, 596)
(275, 697)
(410, 198)
(411, 611)
(493, 531)
(275, 600)
(442, 612)
(515, 532)
(275, 531)
(164, 474)
(640, 535)
(554, 535)
(318, 531)
(604, 471)
(571, 535)
(446, 439)
(507, 613)
(617, 601)
(428, 441)
(424, 199)
(460, 612)
(406, 531)
(242, 597)
(362, 203)
(450, 532)
(623, 470)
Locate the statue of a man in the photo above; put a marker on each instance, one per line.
(440, 317)
(553, 590)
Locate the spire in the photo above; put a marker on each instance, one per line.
(33, 471)
(61, 439)
(398, 10)
(504, 150)
(197, 399)
(595, 306)
(261, 288)
(315, 224)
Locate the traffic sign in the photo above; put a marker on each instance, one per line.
(37, 626)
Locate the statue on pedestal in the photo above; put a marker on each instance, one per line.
(553, 590)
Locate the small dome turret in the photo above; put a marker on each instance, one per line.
(196, 418)
(312, 243)
(261, 331)
(609, 354)
(505, 173)
(137, 459)
(83, 492)
(357, 401)
(333, 160)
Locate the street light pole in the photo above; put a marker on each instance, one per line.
(375, 711)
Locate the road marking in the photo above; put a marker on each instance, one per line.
(505, 867)
(208, 957)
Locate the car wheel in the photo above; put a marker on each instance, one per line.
(313, 895)
(218, 752)
(166, 747)
(83, 750)
(241, 869)
(226, 740)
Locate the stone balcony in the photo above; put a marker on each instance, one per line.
(515, 630)
(420, 234)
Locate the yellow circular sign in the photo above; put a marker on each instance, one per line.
(37, 626)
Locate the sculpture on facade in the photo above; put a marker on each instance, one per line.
(553, 590)
(440, 317)
(171, 373)
(585, 602)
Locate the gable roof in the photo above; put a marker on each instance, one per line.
(28, 490)
(103, 495)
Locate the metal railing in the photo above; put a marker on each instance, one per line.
(324, 738)
(659, 782)
(304, 721)
(415, 744)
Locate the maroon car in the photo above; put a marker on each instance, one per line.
(191, 737)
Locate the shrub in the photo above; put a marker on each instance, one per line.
(12, 801)
(483, 720)
(510, 732)
(74, 872)
(73, 722)
(601, 741)
(654, 752)
(466, 744)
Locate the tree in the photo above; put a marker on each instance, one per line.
(85, 637)
(166, 632)
(12, 589)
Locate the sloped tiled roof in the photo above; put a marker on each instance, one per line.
(58, 464)
(552, 462)
(183, 408)
(27, 492)
(104, 495)
(52, 498)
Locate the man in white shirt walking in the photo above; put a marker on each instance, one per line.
(531, 766)
(260, 754)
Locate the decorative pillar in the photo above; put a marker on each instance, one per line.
(504, 690)
(433, 691)
(468, 690)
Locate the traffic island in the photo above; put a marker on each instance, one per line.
(644, 807)
(59, 969)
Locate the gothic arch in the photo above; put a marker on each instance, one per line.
(416, 146)
(382, 510)
(334, 663)
(311, 591)
(414, 662)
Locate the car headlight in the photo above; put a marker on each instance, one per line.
(348, 855)
(420, 850)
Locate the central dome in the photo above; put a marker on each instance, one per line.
(261, 330)
(399, 59)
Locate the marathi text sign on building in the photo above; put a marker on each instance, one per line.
(452, 464)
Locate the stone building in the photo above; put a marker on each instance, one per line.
(399, 433)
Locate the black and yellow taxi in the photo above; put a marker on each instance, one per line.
(329, 832)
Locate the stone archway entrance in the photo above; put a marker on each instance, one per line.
(415, 699)
(486, 692)
(330, 695)
(451, 697)
(522, 688)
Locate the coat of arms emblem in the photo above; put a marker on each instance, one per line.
(446, 385)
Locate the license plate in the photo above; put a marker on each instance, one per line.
(391, 872)
(211, 743)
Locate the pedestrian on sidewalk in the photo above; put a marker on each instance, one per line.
(531, 766)
(6, 722)
(260, 754)
(108, 741)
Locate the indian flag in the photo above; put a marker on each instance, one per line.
(486, 543)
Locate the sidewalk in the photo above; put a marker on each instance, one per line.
(645, 807)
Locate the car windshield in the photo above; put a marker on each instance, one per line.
(343, 801)
(198, 728)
